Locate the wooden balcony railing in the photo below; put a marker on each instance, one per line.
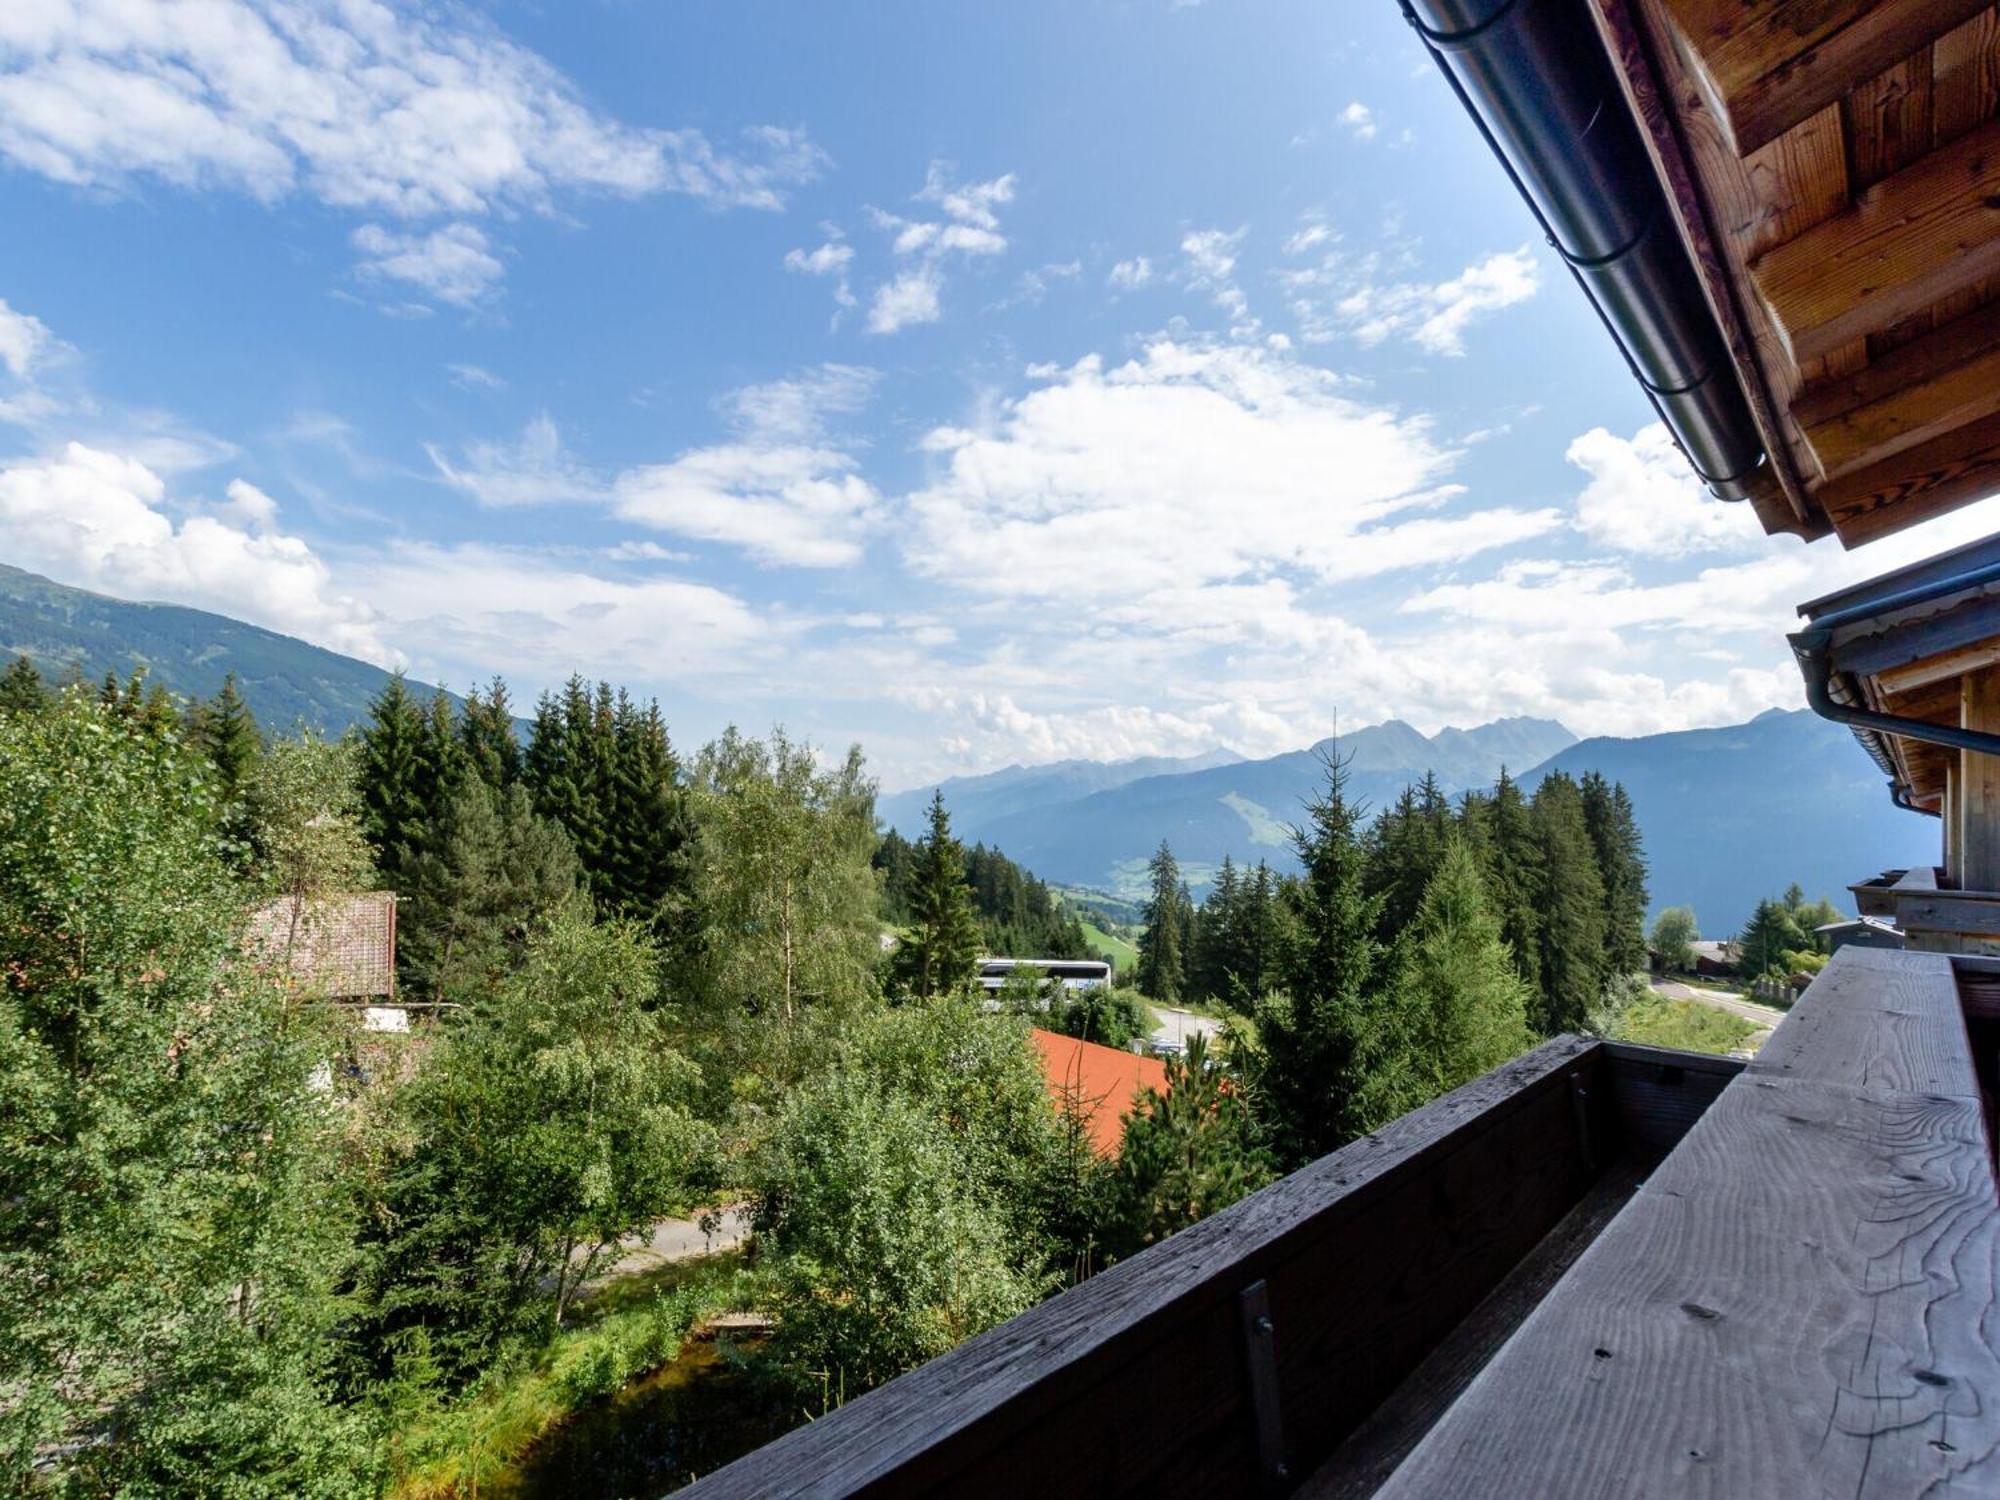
(1316, 1328)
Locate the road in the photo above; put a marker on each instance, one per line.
(1173, 1026)
(682, 1239)
(1736, 1005)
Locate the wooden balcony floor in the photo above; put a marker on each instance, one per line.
(1799, 1301)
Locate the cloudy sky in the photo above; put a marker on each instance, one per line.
(985, 382)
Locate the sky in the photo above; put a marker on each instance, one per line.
(986, 383)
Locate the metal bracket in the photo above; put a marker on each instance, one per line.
(1260, 1350)
(1579, 1103)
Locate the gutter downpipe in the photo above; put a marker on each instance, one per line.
(1813, 647)
(1539, 88)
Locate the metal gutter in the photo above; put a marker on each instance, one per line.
(1814, 648)
(1536, 81)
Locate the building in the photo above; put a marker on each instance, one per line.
(1861, 932)
(1103, 1082)
(341, 947)
(1605, 1269)
(1070, 973)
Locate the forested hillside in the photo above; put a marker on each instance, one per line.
(286, 682)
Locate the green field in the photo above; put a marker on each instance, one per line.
(1123, 954)
(1687, 1025)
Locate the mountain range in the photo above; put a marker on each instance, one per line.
(286, 682)
(1728, 815)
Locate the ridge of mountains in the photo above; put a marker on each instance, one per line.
(286, 682)
(1728, 815)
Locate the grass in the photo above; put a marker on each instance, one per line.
(1687, 1025)
(633, 1326)
(1123, 955)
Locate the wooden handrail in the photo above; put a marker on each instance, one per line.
(1139, 1380)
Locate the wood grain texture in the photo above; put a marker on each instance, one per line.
(1800, 1302)
(1876, 1019)
(1766, 67)
(1659, 1093)
(1978, 786)
(1928, 480)
(1929, 386)
(1361, 1464)
(1134, 1382)
(1675, 129)
(1927, 231)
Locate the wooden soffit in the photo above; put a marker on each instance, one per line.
(1834, 168)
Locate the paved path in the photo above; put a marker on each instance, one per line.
(1736, 1005)
(682, 1239)
(1174, 1026)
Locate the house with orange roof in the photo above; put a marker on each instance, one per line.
(1103, 1081)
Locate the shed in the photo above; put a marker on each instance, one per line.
(1860, 932)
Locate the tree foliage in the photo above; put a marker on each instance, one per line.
(168, 1243)
(941, 945)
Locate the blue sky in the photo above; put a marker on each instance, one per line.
(984, 383)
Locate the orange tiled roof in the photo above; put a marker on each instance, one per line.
(1105, 1081)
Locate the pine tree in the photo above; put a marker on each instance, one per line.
(391, 775)
(1404, 848)
(1311, 1057)
(1570, 907)
(488, 879)
(486, 732)
(941, 950)
(1460, 1008)
(22, 689)
(224, 730)
(1614, 835)
(1187, 1153)
(1216, 939)
(568, 771)
(1163, 944)
(1770, 935)
(1514, 875)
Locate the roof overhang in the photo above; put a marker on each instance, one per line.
(1830, 170)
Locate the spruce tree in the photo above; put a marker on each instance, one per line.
(1460, 1008)
(486, 733)
(941, 950)
(1570, 907)
(22, 689)
(490, 878)
(1770, 935)
(1614, 834)
(224, 730)
(1311, 1053)
(391, 775)
(1514, 875)
(1163, 944)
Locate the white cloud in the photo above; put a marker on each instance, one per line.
(103, 520)
(831, 258)
(1642, 497)
(23, 337)
(795, 409)
(534, 470)
(1130, 275)
(970, 229)
(1210, 266)
(536, 618)
(912, 298)
(793, 506)
(363, 106)
(1359, 120)
(475, 378)
(1189, 466)
(1343, 296)
(1310, 235)
(454, 264)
